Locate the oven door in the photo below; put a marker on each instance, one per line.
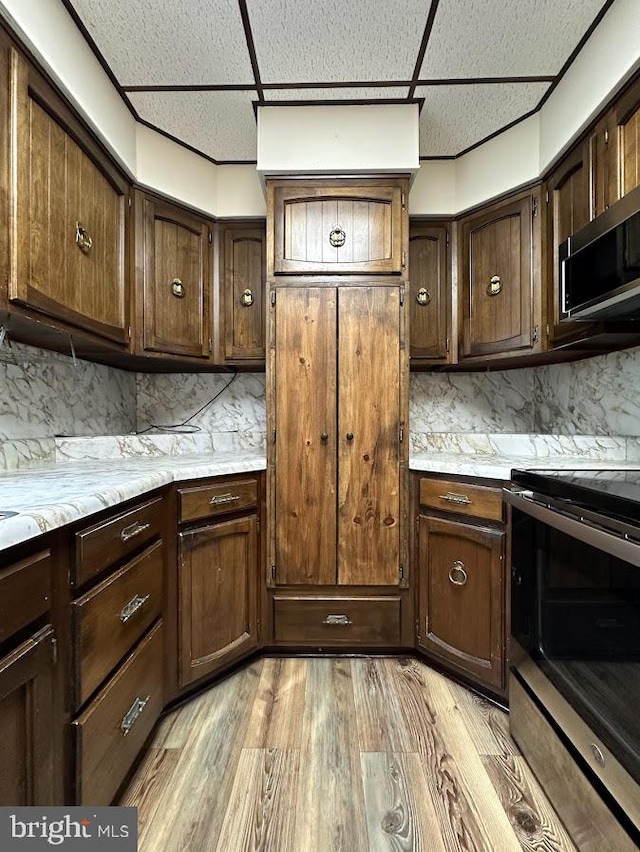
(575, 624)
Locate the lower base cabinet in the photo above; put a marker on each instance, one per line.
(329, 622)
(218, 595)
(27, 723)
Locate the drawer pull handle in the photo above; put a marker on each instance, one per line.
(246, 300)
(83, 240)
(133, 714)
(133, 530)
(457, 573)
(130, 609)
(177, 289)
(221, 499)
(598, 755)
(451, 497)
(423, 297)
(494, 287)
(337, 620)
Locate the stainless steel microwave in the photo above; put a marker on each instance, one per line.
(600, 266)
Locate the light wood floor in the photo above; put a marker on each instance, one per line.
(339, 755)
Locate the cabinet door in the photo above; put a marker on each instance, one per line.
(462, 597)
(369, 435)
(429, 294)
(306, 435)
(627, 123)
(68, 206)
(243, 286)
(568, 209)
(604, 165)
(26, 723)
(338, 229)
(175, 270)
(497, 279)
(218, 594)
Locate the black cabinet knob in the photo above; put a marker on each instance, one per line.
(324, 437)
(349, 436)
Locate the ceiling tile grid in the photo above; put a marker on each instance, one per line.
(353, 93)
(455, 117)
(300, 41)
(164, 42)
(220, 124)
(494, 38)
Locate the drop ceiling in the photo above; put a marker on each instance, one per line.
(196, 70)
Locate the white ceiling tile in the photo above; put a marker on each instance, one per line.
(491, 38)
(355, 93)
(220, 124)
(455, 117)
(299, 41)
(164, 42)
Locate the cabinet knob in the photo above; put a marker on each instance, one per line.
(494, 286)
(324, 437)
(177, 288)
(83, 240)
(457, 573)
(337, 237)
(349, 436)
(246, 300)
(423, 297)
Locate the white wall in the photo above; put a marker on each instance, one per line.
(240, 192)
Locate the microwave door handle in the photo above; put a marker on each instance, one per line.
(614, 545)
(564, 253)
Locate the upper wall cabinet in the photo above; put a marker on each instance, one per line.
(499, 279)
(337, 227)
(68, 209)
(243, 277)
(429, 293)
(172, 280)
(626, 117)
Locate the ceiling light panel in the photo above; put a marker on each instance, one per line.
(455, 117)
(300, 41)
(353, 93)
(163, 42)
(491, 38)
(220, 124)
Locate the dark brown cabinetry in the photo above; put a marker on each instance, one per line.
(499, 279)
(172, 280)
(429, 293)
(460, 560)
(243, 280)
(626, 117)
(68, 209)
(218, 576)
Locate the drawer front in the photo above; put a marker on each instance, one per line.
(25, 592)
(206, 501)
(476, 500)
(111, 540)
(373, 621)
(113, 616)
(114, 727)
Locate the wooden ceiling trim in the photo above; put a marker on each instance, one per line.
(246, 23)
(205, 87)
(423, 46)
(471, 81)
(585, 38)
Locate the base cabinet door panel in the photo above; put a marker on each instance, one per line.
(461, 596)
(218, 590)
(26, 723)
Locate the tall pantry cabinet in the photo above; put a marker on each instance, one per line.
(337, 398)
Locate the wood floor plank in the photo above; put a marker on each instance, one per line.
(330, 794)
(190, 814)
(276, 717)
(400, 817)
(535, 823)
(151, 780)
(378, 715)
(470, 814)
(261, 812)
(487, 725)
(176, 727)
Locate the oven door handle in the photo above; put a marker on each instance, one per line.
(614, 545)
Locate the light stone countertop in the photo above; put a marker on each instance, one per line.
(500, 467)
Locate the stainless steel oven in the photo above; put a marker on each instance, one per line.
(575, 646)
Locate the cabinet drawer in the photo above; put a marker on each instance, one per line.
(206, 501)
(110, 619)
(25, 592)
(114, 727)
(109, 541)
(462, 499)
(337, 621)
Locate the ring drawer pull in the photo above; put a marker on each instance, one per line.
(177, 289)
(457, 573)
(336, 620)
(452, 497)
(221, 499)
(423, 297)
(246, 300)
(494, 286)
(83, 240)
(133, 530)
(337, 237)
(133, 714)
(130, 609)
